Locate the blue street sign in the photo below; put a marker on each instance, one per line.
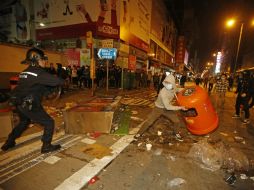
(107, 53)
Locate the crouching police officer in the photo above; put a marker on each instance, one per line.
(27, 97)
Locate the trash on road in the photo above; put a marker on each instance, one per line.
(206, 155)
(149, 147)
(93, 180)
(176, 182)
(159, 133)
(239, 139)
(218, 156)
(243, 176)
(224, 134)
(136, 118)
(231, 179)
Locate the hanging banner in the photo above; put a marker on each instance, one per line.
(73, 57)
(85, 57)
(132, 62)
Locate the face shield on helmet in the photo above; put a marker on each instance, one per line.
(33, 56)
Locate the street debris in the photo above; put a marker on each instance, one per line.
(139, 144)
(239, 139)
(214, 157)
(148, 147)
(243, 176)
(136, 118)
(231, 179)
(93, 180)
(224, 134)
(159, 133)
(94, 135)
(134, 112)
(176, 182)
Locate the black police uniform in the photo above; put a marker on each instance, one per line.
(33, 82)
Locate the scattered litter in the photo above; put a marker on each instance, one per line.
(158, 151)
(239, 139)
(136, 118)
(218, 156)
(134, 112)
(204, 153)
(231, 179)
(235, 131)
(137, 135)
(95, 134)
(88, 141)
(173, 158)
(149, 147)
(52, 159)
(179, 137)
(176, 182)
(170, 144)
(207, 136)
(243, 142)
(224, 134)
(93, 180)
(243, 176)
(159, 133)
(139, 144)
(158, 174)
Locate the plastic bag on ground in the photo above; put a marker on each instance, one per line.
(206, 155)
(176, 182)
(218, 156)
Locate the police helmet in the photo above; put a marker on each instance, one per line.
(33, 56)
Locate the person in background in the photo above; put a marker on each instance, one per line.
(243, 96)
(183, 80)
(52, 69)
(230, 82)
(211, 83)
(221, 87)
(251, 91)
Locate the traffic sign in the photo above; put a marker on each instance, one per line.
(107, 53)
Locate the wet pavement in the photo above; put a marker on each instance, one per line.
(177, 159)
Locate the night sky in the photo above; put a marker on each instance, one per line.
(212, 15)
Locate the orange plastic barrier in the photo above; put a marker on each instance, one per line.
(202, 118)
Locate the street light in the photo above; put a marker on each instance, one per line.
(230, 23)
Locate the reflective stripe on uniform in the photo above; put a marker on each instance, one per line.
(29, 73)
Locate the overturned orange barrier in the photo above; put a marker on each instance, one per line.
(201, 118)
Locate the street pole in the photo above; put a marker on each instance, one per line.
(238, 47)
(107, 75)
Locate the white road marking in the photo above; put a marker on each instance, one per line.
(88, 141)
(14, 172)
(52, 159)
(82, 177)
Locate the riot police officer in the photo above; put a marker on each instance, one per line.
(27, 97)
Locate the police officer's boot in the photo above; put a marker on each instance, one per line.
(48, 147)
(8, 144)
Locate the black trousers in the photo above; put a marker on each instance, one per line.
(242, 101)
(38, 115)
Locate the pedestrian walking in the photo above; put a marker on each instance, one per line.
(27, 97)
(243, 96)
